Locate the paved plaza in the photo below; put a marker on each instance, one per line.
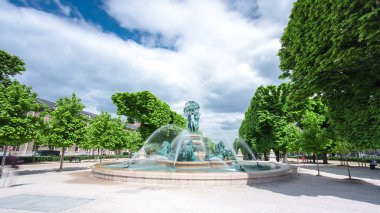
(39, 188)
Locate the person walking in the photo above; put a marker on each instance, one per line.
(10, 171)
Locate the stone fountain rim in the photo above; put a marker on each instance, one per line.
(190, 178)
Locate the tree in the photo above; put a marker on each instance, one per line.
(313, 135)
(343, 148)
(16, 124)
(110, 133)
(336, 54)
(268, 114)
(41, 136)
(10, 65)
(315, 105)
(147, 109)
(290, 137)
(67, 124)
(317, 134)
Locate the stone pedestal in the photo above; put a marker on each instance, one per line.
(197, 141)
(272, 156)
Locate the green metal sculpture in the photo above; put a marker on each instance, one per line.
(192, 114)
(220, 152)
(187, 152)
(165, 149)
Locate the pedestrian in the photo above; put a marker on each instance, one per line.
(10, 171)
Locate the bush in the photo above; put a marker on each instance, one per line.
(29, 159)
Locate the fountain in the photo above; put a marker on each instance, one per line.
(172, 155)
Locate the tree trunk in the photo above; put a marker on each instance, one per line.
(348, 168)
(313, 157)
(324, 157)
(5, 148)
(358, 158)
(316, 157)
(101, 155)
(265, 156)
(285, 157)
(62, 157)
(277, 153)
(35, 151)
(117, 154)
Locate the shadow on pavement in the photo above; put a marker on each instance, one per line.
(356, 172)
(313, 186)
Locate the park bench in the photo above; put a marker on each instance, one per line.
(75, 160)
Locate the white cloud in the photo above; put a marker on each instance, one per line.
(64, 9)
(220, 55)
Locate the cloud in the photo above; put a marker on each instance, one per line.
(64, 9)
(217, 54)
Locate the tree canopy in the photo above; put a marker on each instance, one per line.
(10, 65)
(267, 117)
(332, 48)
(17, 125)
(110, 133)
(67, 124)
(332, 45)
(146, 108)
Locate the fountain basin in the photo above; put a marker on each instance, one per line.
(278, 173)
(197, 164)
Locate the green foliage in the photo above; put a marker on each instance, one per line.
(168, 133)
(291, 136)
(268, 115)
(332, 48)
(147, 109)
(16, 125)
(317, 136)
(177, 119)
(342, 147)
(152, 148)
(29, 159)
(67, 124)
(357, 119)
(110, 133)
(312, 136)
(210, 145)
(10, 65)
(41, 138)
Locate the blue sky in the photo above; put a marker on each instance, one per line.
(214, 52)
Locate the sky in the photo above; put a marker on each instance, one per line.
(213, 52)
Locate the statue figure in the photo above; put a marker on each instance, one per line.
(165, 149)
(221, 152)
(192, 114)
(187, 152)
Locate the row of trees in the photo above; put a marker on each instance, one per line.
(332, 101)
(66, 124)
(275, 121)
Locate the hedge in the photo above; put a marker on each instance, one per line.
(29, 159)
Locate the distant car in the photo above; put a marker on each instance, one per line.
(47, 153)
